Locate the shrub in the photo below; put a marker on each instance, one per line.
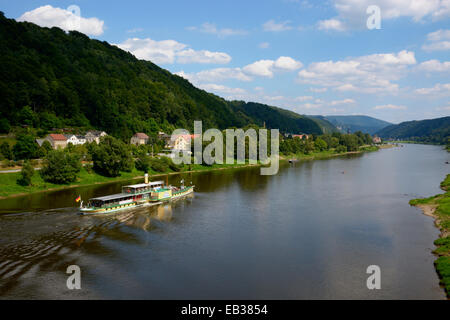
(143, 163)
(158, 165)
(61, 167)
(111, 156)
(26, 174)
(341, 148)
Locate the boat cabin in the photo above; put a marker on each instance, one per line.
(112, 200)
(142, 188)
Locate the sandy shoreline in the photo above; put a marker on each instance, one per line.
(428, 209)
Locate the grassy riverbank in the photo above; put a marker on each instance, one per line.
(10, 188)
(438, 207)
(328, 153)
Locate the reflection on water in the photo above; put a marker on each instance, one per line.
(308, 232)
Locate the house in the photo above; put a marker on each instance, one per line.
(376, 139)
(300, 136)
(58, 141)
(75, 140)
(180, 142)
(139, 139)
(94, 135)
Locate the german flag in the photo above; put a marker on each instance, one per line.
(78, 199)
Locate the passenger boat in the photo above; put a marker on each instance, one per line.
(137, 195)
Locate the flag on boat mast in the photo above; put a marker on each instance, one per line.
(78, 199)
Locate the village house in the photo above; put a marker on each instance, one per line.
(376, 139)
(94, 135)
(75, 140)
(181, 142)
(300, 136)
(139, 139)
(58, 141)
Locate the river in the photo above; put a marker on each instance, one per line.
(309, 232)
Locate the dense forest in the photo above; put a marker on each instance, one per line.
(357, 123)
(429, 131)
(53, 79)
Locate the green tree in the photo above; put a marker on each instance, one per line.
(27, 116)
(26, 174)
(4, 125)
(158, 165)
(25, 148)
(112, 156)
(350, 141)
(61, 167)
(320, 145)
(6, 151)
(341, 148)
(143, 163)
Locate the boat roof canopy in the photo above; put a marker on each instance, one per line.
(112, 197)
(143, 185)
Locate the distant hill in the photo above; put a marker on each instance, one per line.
(432, 131)
(69, 80)
(325, 125)
(365, 124)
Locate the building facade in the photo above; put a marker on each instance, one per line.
(93, 135)
(139, 139)
(58, 141)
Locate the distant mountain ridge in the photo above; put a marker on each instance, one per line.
(69, 80)
(432, 131)
(355, 123)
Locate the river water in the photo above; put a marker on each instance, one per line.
(309, 232)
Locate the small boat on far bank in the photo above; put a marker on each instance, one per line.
(137, 195)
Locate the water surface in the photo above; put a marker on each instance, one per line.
(309, 232)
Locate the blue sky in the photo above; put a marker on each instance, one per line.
(307, 56)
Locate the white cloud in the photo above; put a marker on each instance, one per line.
(445, 108)
(202, 56)
(340, 102)
(318, 90)
(287, 63)
(221, 88)
(273, 26)
(212, 29)
(390, 107)
(264, 45)
(266, 68)
(437, 89)
(352, 13)
(303, 98)
(438, 40)
(261, 68)
(434, 66)
(48, 16)
(331, 24)
(370, 74)
(160, 52)
(215, 75)
(171, 51)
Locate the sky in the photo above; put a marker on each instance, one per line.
(389, 59)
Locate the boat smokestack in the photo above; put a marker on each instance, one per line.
(146, 178)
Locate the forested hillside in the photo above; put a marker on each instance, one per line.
(357, 123)
(432, 131)
(53, 79)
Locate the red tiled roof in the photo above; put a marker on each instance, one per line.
(57, 137)
(141, 135)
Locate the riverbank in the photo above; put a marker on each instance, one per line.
(9, 187)
(438, 207)
(331, 153)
